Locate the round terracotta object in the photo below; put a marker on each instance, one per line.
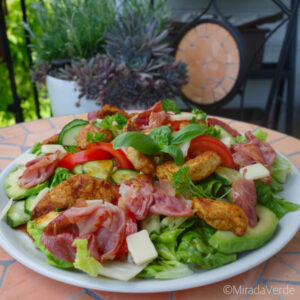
(213, 61)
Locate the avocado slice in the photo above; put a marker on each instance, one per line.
(255, 237)
(15, 191)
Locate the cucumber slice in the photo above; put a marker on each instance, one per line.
(123, 174)
(100, 169)
(16, 215)
(78, 169)
(15, 191)
(68, 134)
(225, 134)
(229, 174)
(32, 201)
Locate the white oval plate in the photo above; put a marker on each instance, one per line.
(20, 246)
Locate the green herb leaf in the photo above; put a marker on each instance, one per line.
(260, 134)
(169, 105)
(137, 140)
(36, 149)
(113, 123)
(161, 136)
(240, 139)
(181, 180)
(60, 175)
(95, 137)
(175, 152)
(188, 133)
(199, 114)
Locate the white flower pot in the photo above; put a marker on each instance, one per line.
(64, 94)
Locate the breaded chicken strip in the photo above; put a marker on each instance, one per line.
(79, 186)
(200, 167)
(221, 215)
(91, 128)
(108, 110)
(140, 161)
(51, 140)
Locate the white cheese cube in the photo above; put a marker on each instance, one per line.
(256, 171)
(181, 117)
(226, 141)
(53, 148)
(185, 148)
(141, 247)
(25, 158)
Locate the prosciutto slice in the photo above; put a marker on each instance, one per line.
(103, 225)
(141, 197)
(243, 193)
(226, 127)
(40, 169)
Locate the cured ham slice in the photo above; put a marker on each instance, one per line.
(226, 127)
(243, 193)
(40, 169)
(103, 225)
(141, 197)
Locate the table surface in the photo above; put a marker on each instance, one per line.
(277, 278)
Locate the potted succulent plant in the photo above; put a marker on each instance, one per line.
(131, 66)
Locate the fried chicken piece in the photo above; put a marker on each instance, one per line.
(140, 161)
(79, 186)
(200, 167)
(91, 128)
(51, 140)
(221, 215)
(130, 126)
(108, 110)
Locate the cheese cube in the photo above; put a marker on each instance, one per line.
(185, 148)
(52, 148)
(140, 247)
(25, 158)
(256, 171)
(181, 117)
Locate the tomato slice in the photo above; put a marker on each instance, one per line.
(70, 160)
(119, 155)
(130, 228)
(208, 143)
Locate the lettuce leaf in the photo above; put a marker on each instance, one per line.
(260, 134)
(36, 233)
(281, 169)
(60, 175)
(266, 195)
(83, 260)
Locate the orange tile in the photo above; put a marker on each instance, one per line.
(12, 131)
(22, 283)
(297, 235)
(262, 292)
(10, 151)
(273, 135)
(4, 255)
(38, 125)
(242, 126)
(286, 291)
(291, 259)
(39, 137)
(83, 116)
(216, 291)
(85, 297)
(4, 163)
(288, 145)
(293, 245)
(295, 159)
(61, 121)
(16, 140)
(1, 271)
(126, 296)
(279, 271)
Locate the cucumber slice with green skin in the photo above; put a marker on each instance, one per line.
(15, 191)
(68, 134)
(254, 237)
(16, 215)
(32, 201)
(229, 174)
(224, 133)
(78, 169)
(100, 169)
(151, 223)
(123, 174)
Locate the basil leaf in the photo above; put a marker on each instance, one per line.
(175, 152)
(188, 133)
(169, 105)
(199, 114)
(161, 136)
(136, 140)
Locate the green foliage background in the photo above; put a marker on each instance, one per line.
(15, 32)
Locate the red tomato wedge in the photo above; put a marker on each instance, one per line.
(70, 160)
(119, 155)
(208, 143)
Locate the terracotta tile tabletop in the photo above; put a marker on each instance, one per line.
(277, 278)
